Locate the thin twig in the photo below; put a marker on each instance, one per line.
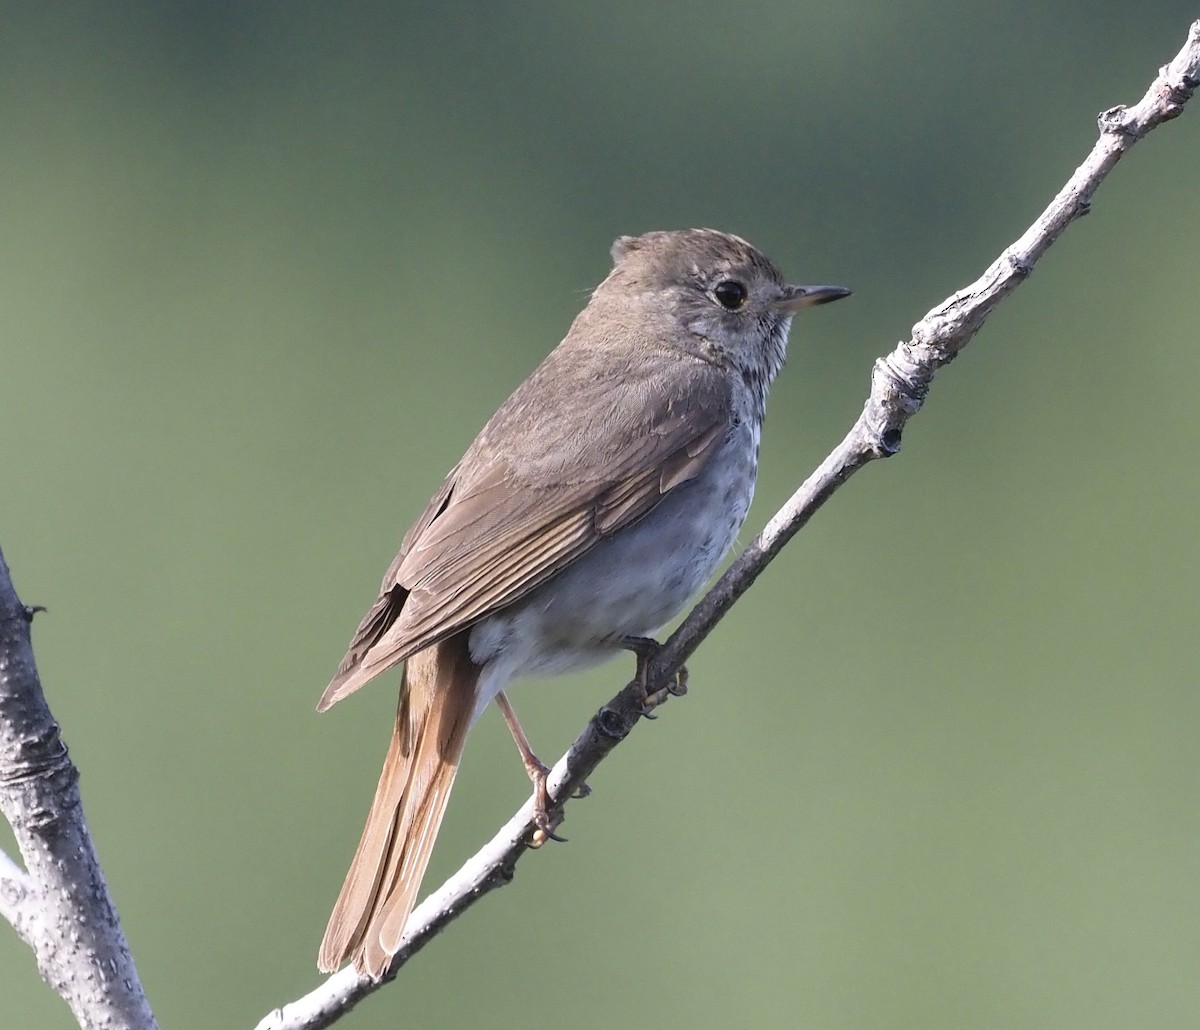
(74, 931)
(18, 898)
(899, 384)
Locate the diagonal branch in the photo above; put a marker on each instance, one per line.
(899, 384)
(60, 907)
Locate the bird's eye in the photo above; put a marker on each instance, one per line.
(730, 294)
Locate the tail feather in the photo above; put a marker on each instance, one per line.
(437, 700)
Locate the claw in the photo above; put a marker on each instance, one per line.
(544, 833)
(657, 698)
(679, 685)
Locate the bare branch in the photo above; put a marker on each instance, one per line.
(61, 907)
(899, 384)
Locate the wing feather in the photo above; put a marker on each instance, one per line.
(509, 517)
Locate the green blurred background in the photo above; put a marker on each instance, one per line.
(267, 269)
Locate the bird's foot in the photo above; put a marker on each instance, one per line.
(676, 688)
(645, 648)
(545, 818)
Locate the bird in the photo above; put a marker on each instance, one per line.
(601, 495)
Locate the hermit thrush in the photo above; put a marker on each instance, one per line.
(601, 495)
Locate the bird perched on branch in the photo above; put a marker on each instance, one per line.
(596, 501)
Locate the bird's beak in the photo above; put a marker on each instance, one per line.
(794, 298)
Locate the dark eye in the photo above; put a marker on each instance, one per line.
(730, 294)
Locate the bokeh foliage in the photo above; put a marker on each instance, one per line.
(267, 268)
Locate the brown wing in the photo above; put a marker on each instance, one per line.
(529, 499)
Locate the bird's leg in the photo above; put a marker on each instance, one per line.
(645, 648)
(538, 773)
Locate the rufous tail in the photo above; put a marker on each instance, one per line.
(437, 700)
